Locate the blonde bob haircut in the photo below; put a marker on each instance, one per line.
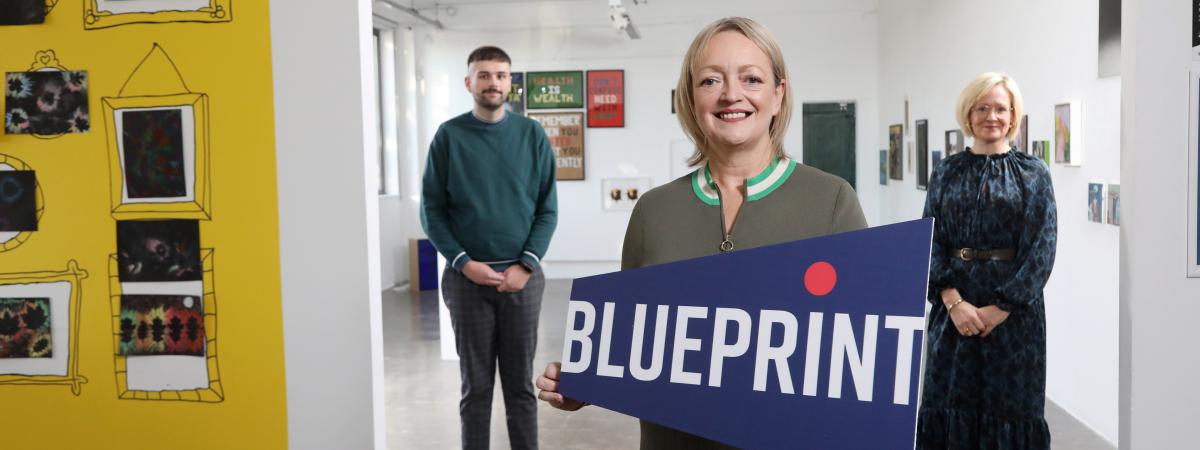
(684, 92)
(980, 87)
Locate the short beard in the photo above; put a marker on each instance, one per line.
(482, 102)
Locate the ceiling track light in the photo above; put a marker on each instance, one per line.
(414, 12)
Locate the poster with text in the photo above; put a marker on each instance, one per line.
(516, 97)
(554, 90)
(565, 131)
(606, 98)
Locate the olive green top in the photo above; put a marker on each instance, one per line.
(682, 220)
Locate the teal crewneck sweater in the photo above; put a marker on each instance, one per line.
(488, 193)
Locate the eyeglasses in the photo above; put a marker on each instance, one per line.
(987, 110)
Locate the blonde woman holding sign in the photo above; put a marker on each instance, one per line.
(734, 102)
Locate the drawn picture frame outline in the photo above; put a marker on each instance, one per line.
(196, 208)
(94, 18)
(215, 392)
(200, 204)
(73, 275)
(40, 202)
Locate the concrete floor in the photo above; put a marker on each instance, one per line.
(422, 390)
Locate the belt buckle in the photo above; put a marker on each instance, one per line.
(962, 254)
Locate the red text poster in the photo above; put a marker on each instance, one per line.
(606, 98)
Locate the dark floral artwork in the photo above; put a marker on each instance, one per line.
(22, 12)
(152, 145)
(25, 328)
(159, 250)
(46, 103)
(18, 200)
(162, 325)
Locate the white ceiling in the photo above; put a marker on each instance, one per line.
(511, 15)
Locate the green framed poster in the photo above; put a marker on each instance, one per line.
(554, 90)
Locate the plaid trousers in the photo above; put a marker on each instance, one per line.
(492, 327)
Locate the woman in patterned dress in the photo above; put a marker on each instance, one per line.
(993, 249)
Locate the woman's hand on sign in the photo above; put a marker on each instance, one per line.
(548, 385)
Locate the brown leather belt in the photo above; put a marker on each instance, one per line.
(973, 254)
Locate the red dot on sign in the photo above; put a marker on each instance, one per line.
(820, 278)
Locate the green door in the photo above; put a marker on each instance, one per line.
(829, 138)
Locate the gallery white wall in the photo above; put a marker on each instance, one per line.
(829, 51)
(328, 224)
(873, 53)
(929, 50)
(1159, 360)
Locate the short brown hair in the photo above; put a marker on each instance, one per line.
(684, 99)
(488, 53)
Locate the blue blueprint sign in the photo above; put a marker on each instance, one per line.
(809, 344)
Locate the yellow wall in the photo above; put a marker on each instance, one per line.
(231, 63)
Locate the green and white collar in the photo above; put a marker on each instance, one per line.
(756, 188)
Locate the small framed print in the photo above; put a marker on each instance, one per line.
(516, 97)
(1068, 134)
(174, 359)
(39, 344)
(896, 152)
(954, 142)
(159, 158)
(565, 132)
(22, 204)
(922, 154)
(158, 145)
(606, 98)
(1193, 206)
(554, 90)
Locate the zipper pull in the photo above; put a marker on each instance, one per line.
(727, 244)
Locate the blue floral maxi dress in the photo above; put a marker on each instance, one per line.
(989, 392)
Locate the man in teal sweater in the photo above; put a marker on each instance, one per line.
(488, 204)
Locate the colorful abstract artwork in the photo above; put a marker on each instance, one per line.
(1114, 205)
(46, 102)
(922, 154)
(22, 12)
(25, 328)
(516, 97)
(159, 250)
(152, 149)
(883, 167)
(18, 200)
(896, 152)
(162, 325)
(1095, 202)
(1062, 133)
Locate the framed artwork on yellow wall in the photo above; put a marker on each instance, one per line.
(159, 160)
(23, 200)
(165, 337)
(158, 141)
(111, 13)
(39, 336)
(46, 101)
